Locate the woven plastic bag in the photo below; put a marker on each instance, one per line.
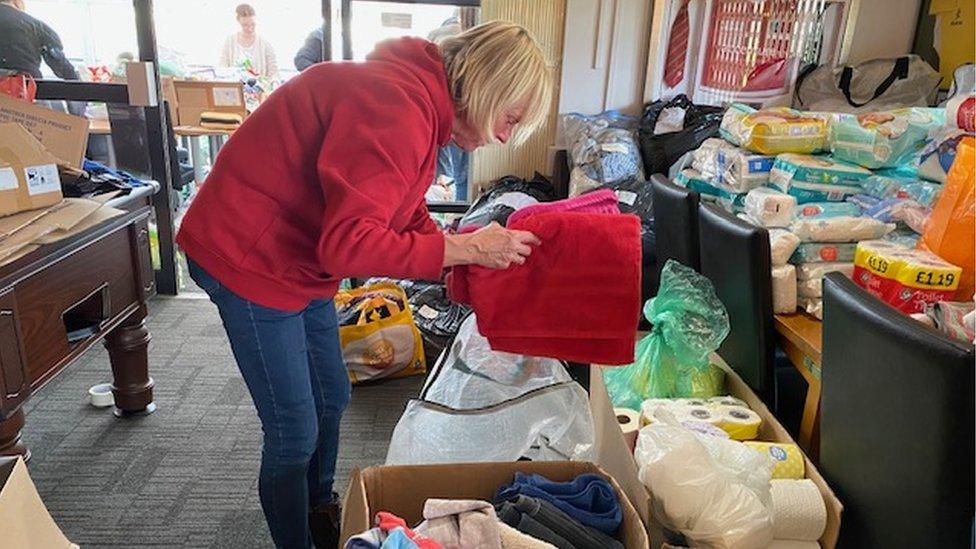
(377, 333)
(951, 229)
(672, 361)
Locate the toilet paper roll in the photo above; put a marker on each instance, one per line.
(799, 512)
(692, 401)
(792, 544)
(630, 422)
(740, 423)
(727, 401)
(702, 414)
(651, 405)
(784, 289)
(788, 458)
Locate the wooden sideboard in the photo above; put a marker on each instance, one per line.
(58, 301)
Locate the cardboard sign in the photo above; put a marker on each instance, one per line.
(63, 135)
(28, 172)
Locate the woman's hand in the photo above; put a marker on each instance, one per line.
(493, 246)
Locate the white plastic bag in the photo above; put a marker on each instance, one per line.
(481, 405)
(875, 85)
(714, 491)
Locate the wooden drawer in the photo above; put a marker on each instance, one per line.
(14, 381)
(103, 273)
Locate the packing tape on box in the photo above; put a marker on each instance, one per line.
(799, 512)
(740, 423)
(630, 422)
(788, 458)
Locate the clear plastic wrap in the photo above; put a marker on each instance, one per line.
(782, 245)
(774, 131)
(840, 229)
(604, 146)
(715, 492)
(672, 361)
(480, 405)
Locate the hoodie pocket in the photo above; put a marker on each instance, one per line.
(241, 221)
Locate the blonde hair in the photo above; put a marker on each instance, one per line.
(493, 67)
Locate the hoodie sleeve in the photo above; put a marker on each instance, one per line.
(421, 221)
(368, 166)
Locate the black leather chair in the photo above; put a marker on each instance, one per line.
(735, 257)
(896, 433)
(675, 224)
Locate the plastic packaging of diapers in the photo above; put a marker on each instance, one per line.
(840, 229)
(816, 178)
(705, 157)
(904, 278)
(711, 191)
(810, 288)
(784, 289)
(923, 192)
(743, 170)
(811, 305)
(827, 210)
(810, 271)
(883, 139)
(770, 207)
(939, 153)
(783, 244)
(823, 252)
(774, 131)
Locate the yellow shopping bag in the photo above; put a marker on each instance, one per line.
(377, 333)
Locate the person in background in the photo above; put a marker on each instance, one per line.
(246, 47)
(325, 182)
(25, 41)
(311, 52)
(452, 161)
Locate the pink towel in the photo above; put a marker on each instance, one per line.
(603, 201)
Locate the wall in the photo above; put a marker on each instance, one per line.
(604, 55)
(545, 19)
(884, 28)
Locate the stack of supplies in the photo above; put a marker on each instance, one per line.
(774, 131)
(907, 279)
(810, 283)
(816, 178)
(883, 139)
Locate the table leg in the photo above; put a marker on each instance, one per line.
(128, 351)
(810, 423)
(10, 441)
(196, 157)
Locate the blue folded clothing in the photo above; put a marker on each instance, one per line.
(588, 498)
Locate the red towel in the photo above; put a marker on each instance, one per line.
(576, 298)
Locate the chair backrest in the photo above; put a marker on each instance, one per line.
(735, 257)
(896, 432)
(675, 223)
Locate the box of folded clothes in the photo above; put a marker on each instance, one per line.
(505, 505)
(799, 519)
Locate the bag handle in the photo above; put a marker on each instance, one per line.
(898, 72)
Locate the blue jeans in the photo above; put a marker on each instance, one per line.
(292, 365)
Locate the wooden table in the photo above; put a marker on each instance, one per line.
(97, 126)
(95, 286)
(193, 134)
(801, 337)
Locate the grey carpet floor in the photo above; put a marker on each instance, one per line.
(185, 476)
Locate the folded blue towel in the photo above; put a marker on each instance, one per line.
(588, 498)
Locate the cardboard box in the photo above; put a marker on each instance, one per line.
(169, 97)
(403, 490)
(196, 97)
(63, 135)
(140, 80)
(27, 230)
(29, 176)
(24, 520)
(771, 431)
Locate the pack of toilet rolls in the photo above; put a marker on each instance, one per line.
(729, 414)
(907, 279)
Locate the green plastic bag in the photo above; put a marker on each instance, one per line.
(672, 361)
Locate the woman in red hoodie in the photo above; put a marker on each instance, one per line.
(326, 181)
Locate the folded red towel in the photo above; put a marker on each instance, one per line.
(576, 298)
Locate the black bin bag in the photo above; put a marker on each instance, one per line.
(660, 151)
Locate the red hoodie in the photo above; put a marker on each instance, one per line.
(326, 180)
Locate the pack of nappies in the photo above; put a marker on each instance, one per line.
(907, 279)
(784, 289)
(816, 178)
(812, 305)
(939, 153)
(770, 207)
(743, 170)
(810, 288)
(705, 157)
(827, 210)
(840, 229)
(711, 191)
(824, 252)
(814, 271)
(774, 131)
(883, 139)
(782, 245)
(883, 186)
